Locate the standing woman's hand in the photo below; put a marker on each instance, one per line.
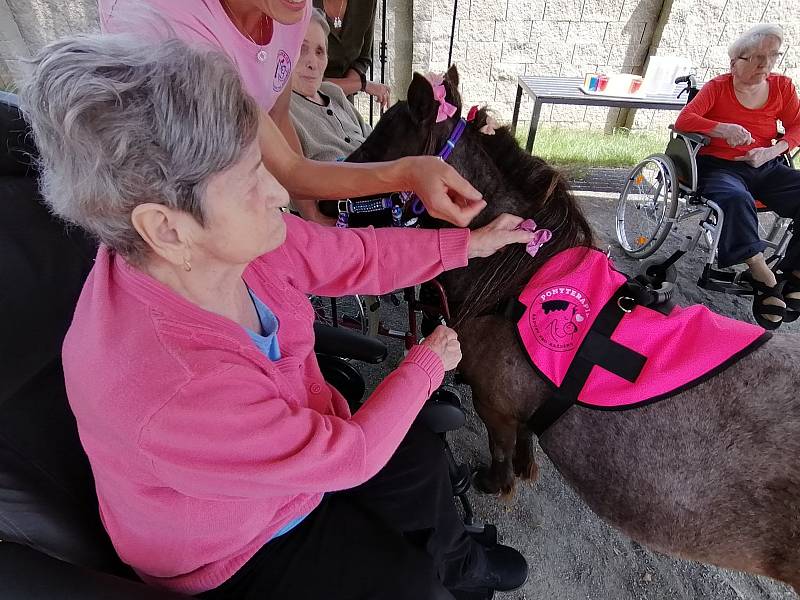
(445, 194)
(380, 92)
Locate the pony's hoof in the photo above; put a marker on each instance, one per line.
(528, 471)
(487, 483)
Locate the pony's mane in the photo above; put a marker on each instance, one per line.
(551, 204)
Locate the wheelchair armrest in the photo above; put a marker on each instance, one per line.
(338, 341)
(28, 574)
(697, 138)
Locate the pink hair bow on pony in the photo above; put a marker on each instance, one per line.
(446, 110)
(540, 236)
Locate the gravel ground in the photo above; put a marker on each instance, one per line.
(573, 555)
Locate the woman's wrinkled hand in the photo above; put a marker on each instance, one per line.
(733, 134)
(444, 342)
(496, 235)
(445, 194)
(380, 92)
(757, 156)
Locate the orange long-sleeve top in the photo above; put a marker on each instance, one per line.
(717, 103)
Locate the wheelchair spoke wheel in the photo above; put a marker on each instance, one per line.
(347, 311)
(647, 206)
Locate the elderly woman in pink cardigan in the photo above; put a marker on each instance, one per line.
(225, 466)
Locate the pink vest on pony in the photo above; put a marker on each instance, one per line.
(673, 351)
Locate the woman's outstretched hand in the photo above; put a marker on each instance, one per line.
(444, 342)
(499, 233)
(445, 194)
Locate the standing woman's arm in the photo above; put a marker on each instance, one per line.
(364, 60)
(283, 120)
(445, 194)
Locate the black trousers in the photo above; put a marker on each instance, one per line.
(396, 537)
(733, 186)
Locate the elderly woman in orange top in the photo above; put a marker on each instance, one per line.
(739, 111)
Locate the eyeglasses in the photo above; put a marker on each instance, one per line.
(759, 59)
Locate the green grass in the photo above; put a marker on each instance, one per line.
(577, 148)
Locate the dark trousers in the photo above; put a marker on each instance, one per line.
(734, 186)
(396, 537)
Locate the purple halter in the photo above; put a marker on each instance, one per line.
(397, 201)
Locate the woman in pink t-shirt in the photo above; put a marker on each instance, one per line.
(263, 39)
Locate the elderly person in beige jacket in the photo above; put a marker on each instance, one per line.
(328, 125)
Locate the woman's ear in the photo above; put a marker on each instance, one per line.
(163, 230)
(421, 102)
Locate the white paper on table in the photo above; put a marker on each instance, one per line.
(661, 73)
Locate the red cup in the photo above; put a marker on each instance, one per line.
(635, 85)
(602, 82)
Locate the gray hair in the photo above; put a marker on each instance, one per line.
(120, 121)
(318, 17)
(752, 38)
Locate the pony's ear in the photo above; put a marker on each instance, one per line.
(420, 99)
(452, 76)
(451, 85)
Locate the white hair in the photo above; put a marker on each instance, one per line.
(119, 121)
(318, 17)
(752, 39)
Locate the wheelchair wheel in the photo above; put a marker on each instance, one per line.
(647, 206)
(347, 311)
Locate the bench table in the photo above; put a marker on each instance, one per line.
(565, 90)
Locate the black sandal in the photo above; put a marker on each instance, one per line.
(791, 286)
(761, 291)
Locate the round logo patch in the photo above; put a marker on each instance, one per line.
(282, 71)
(559, 316)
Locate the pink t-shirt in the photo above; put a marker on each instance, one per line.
(206, 21)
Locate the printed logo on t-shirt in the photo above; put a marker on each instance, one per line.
(282, 71)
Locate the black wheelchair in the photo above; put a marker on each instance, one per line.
(661, 192)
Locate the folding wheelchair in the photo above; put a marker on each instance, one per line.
(661, 192)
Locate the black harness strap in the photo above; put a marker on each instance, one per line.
(597, 349)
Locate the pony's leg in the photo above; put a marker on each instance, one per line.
(524, 464)
(498, 478)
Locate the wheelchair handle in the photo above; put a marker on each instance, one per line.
(691, 86)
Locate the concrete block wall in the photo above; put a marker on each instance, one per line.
(703, 30)
(26, 25)
(495, 41)
(498, 40)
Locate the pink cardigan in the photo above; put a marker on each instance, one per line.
(201, 447)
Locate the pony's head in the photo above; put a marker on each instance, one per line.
(413, 127)
(510, 179)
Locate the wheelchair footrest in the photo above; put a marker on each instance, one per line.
(728, 282)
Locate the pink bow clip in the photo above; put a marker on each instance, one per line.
(540, 236)
(446, 110)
